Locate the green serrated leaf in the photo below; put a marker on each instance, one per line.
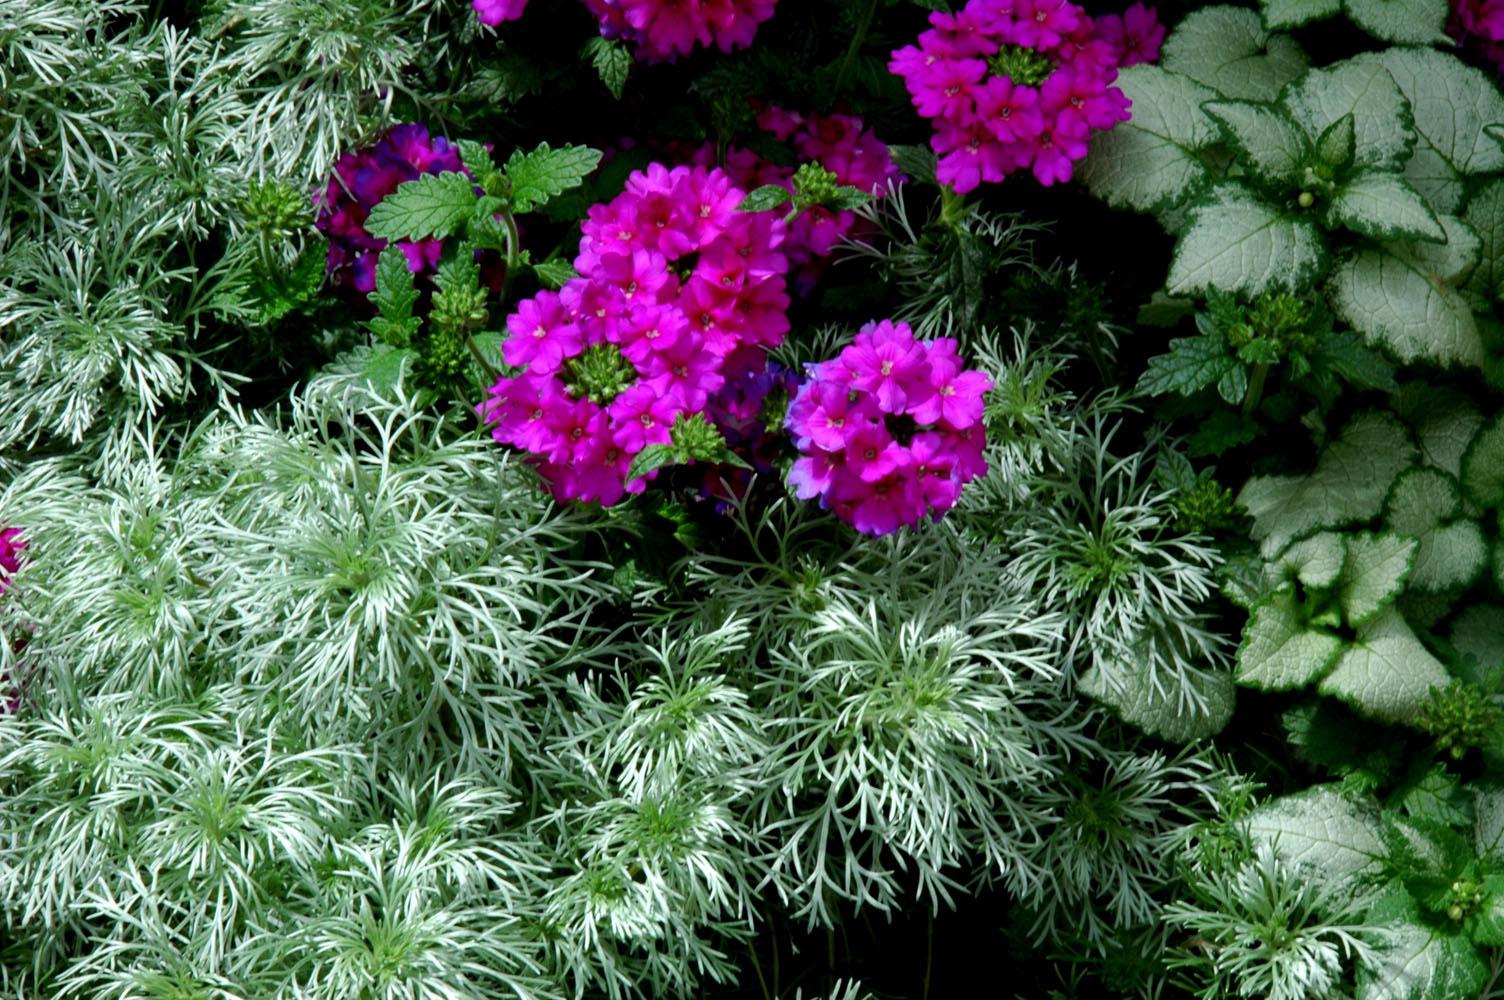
(918, 162)
(545, 173)
(1266, 141)
(612, 63)
(1229, 50)
(1325, 831)
(1417, 22)
(1190, 365)
(1383, 133)
(1404, 296)
(1152, 161)
(433, 206)
(1284, 14)
(1279, 652)
(383, 370)
(1350, 482)
(1237, 242)
(1452, 104)
(1379, 204)
(655, 457)
(763, 198)
(1375, 572)
(1335, 145)
(555, 274)
(1385, 673)
(1483, 465)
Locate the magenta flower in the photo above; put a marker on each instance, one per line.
(667, 29)
(623, 350)
(543, 334)
(494, 12)
(1135, 36)
(882, 465)
(12, 545)
(361, 179)
(1048, 70)
(887, 362)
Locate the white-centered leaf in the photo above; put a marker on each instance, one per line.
(1483, 465)
(1267, 141)
(1382, 127)
(1381, 205)
(1374, 574)
(1485, 215)
(1451, 103)
(1315, 561)
(1385, 673)
(1420, 500)
(1351, 479)
(1229, 50)
(1237, 242)
(1416, 961)
(1150, 161)
(1445, 431)
(1324, 829)
(1279, 652)
(1417, 22)
(1405, 296)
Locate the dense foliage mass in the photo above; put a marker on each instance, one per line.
(727, 498)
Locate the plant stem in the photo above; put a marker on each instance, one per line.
(1255, 388)
(856, 44)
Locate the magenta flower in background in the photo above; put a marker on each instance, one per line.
(1478, 26)
(11, 547)
(841, 144)
(361, 179)
(680, 297)
(664, 30)
(889, 431)
(1021, 84)
(494, 12)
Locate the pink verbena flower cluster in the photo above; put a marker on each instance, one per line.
(11, 547)
(666, 29)
(660, 29)
(361, 179)
(678, 293)
(1015, 84)
(841, 144)
(890, 430)
(1478, 25)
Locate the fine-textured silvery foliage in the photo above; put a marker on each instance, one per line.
(128, 150)
(1263, 928)
(332, 701)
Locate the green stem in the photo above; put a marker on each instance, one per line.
(1255, 389)
(856, 45)
(762, 981)
(480, 359)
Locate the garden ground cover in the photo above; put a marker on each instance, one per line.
(737, 498)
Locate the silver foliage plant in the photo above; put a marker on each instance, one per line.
(128, 150)
(327, 700)
(330, 701)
